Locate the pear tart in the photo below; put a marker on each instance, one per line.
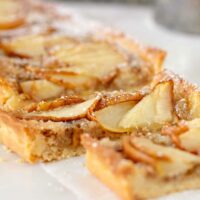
(57, 71)
(62, 76)
(153, 112)
(137, 168)
(162, 154)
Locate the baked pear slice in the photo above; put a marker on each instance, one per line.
(153, 110)
(34, 46)
(185, 135)
(55, 103)
(190, 140)
(115, 97)
(97, 59)
(65, 113)
(12, 14)
(71, 80)
(41, 89)
(109, 117)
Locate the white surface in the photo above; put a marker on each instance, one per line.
(69, 179)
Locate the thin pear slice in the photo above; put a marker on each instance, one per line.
(41, 89)
(55, 103)
(185, 135)
(98, 59)
(12, 14)
(190, 140)
(153, 110)
(71, 80)
(134, 154)
(65, 113)
(110, 116)
(115, 97)
(173, 131)
(29, 46)
(168, 161)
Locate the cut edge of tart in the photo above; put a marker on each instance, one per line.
(139, 169)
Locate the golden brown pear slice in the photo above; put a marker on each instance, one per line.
(62, 101)
(34, 45)
(97, 59)
(190, 140)
(66, 113)
(41, 89)
(110, 116)
(71, 80)
(12, 14)
(153, 110)
(115, 97)
(168, 161)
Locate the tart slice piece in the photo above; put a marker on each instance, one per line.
(137, 168)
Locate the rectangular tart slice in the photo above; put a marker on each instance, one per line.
(137, 168)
